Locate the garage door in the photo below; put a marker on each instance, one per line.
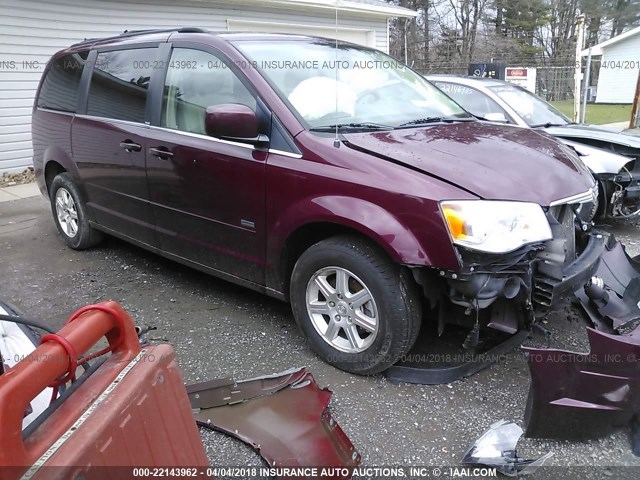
(354, 35)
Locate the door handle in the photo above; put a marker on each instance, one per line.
(161, 152)
(130, 146)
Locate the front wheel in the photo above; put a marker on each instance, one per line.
(69, 213)
(359, 310)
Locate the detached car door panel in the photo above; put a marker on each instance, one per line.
(207, 194)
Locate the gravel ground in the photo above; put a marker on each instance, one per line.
(219, 329)
(10, 179)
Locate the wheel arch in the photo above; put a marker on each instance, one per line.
(320, 218)
(51, 170)
(57, 160)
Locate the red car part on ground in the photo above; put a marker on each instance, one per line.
(282, 416)
(133, 410)
(130, 409)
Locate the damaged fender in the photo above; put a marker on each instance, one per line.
(284, 417)
(584, 395)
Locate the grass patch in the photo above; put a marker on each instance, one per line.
(597, 113)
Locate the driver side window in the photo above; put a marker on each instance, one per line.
(197, 80)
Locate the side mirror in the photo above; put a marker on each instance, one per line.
(234, 122)
(496, 117)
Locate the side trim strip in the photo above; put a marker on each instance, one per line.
(204, 137)
(50, 110)
(180, 132)
(284, 154)
(111, 120)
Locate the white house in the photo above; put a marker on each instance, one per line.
(32, 30)
(620, 63)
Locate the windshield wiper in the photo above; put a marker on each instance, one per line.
(426, 121)
(550, 124)
(352, 126)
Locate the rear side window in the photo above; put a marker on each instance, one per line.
(60, 85)
(120, 83)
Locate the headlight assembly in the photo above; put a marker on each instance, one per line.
(495, 226)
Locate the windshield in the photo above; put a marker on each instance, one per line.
(349, 85)
(531, 108)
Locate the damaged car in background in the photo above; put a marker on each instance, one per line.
(613, 158)
(387, 215)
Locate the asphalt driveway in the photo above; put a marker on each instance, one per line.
(219, 329)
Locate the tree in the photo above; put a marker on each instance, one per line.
(416, 31)
(521, 21)
(448, 34)
(623, 14)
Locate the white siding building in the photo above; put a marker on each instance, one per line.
(33, 30)
(619, 67)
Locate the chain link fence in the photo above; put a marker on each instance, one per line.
(554, 79)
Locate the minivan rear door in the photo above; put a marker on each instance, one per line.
(109, 142)
(207, 194)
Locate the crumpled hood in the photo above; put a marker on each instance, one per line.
(594, 133)
(495, 162)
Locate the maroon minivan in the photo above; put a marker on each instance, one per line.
(328, 175)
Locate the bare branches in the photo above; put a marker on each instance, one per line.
(531, 32)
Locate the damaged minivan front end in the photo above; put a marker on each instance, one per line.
(572, 395)
(511, 279)
(557, 256)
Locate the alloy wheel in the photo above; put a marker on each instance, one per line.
(342, 309)
(66, 212)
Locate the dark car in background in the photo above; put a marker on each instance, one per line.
(362, 194)
(613, 158)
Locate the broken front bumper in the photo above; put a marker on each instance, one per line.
(580, 395)
(508, 293)
(554, 282)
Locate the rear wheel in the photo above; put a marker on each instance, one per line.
(359, 310)
(69, 214)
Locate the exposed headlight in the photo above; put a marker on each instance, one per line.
(495, 226)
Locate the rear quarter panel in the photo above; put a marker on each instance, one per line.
(51, 136)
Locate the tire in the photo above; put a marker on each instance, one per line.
(368, 337)
(70, 214)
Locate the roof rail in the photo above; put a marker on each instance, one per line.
(133, 33)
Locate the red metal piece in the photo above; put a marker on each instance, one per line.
(73, 358)
(133, 410)
(106, 309)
